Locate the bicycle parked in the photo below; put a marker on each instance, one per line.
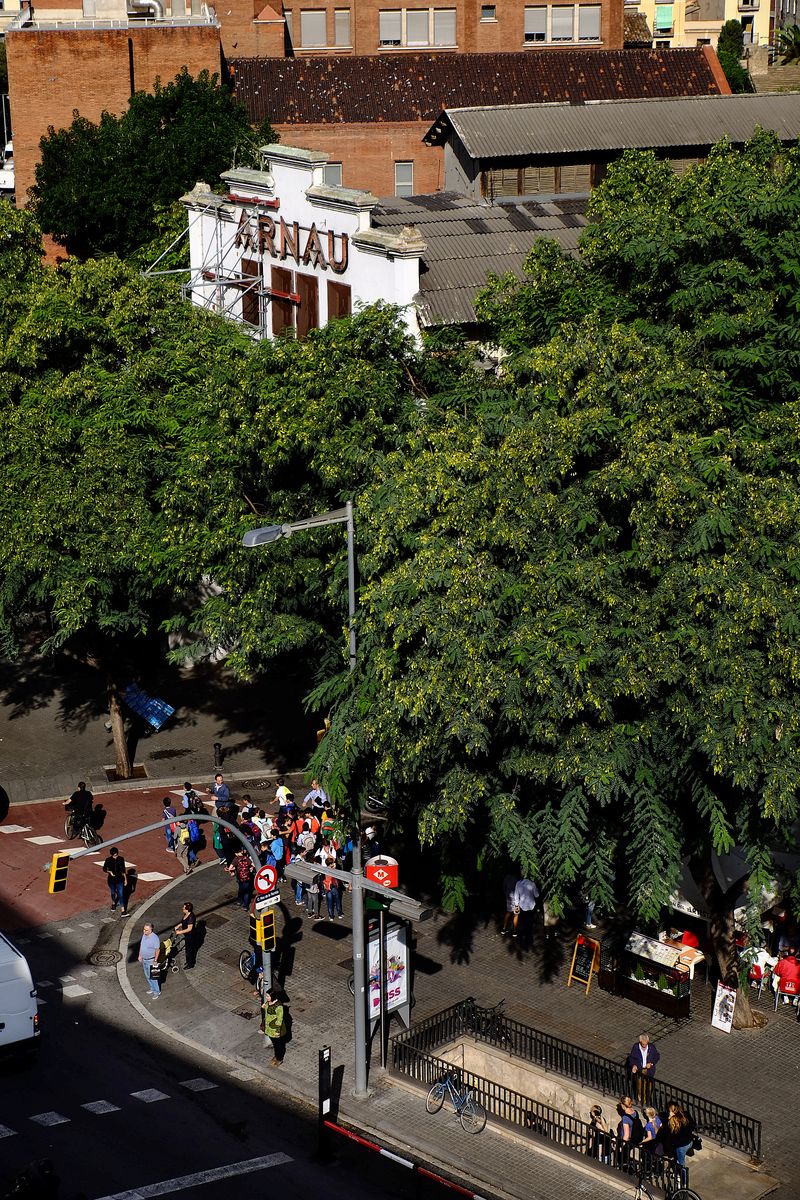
(469, 1111)
(487, 1023)
(251, 968)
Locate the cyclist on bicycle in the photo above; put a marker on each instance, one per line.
(80, 806)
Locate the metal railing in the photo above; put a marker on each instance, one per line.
(531, 1117)
(715, 1121)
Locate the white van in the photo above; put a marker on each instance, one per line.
(19, 1013)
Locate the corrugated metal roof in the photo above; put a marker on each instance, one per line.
(466, 241)
(355, 88)
(526, 130)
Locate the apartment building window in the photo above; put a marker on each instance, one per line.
(313, 28)
(341, 27)
(663, 20)
(339, 301)
(488, 12)
(404, 179)
(562, 23)
(287, 16)
(417, 27)
(333, 174)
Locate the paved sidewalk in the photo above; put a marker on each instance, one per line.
(213, 1007)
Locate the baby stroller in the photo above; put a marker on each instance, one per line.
(170, 949)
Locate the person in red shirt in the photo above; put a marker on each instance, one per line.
(787, 972)
(690, 939)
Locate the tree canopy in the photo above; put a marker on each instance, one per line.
(101, 187)
(579, 579)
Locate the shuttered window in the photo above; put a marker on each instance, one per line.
(339, 304)
(417, 21)
(341, 26)
(390, 27)
(536, 24)
(577, 177)
(589, 23)
(444, 27)
(562, 23)
(313, 30)
(663, 21)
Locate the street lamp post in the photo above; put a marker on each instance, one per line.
(263, 536)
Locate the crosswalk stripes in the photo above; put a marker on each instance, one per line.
(99, 1108)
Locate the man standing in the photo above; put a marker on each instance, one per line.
(186, 927)
(149, 947)
(220, 791)
(116, 874)
(641, 1064)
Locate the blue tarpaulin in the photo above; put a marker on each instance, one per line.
(155, 712)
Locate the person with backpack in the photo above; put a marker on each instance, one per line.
(242, 870)
(169, 814)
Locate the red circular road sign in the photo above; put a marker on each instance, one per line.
(265, 880)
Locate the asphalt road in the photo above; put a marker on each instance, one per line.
(121, 1113)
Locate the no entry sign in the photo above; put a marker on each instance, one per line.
(265, 880)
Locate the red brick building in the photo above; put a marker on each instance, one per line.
(370, 114)
(55, 67)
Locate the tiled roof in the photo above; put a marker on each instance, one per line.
(466, 240)
(636, 30)
(356, 89)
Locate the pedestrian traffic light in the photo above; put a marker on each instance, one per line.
(59, 868)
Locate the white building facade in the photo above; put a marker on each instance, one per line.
(284, 252)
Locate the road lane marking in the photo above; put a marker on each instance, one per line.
(100, 1106)
(50, 1118)
(152, 876)
(198, 1085)
(182, 1182)
(15, 828)
(44, 839)
(73, 990)
(149, 1096)
(6, 1132)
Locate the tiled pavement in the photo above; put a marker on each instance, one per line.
(753, 1072)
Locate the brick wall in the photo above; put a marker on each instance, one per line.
(368, 153)
(473, 35)
(52, 72)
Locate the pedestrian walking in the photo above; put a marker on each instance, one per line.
(187, 929)
(509, 888)
(149, 948)
(116, 873)
(274, 1025)
(183, 844)
(242, 870)
(169, 814)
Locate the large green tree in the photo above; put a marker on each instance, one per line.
(116, 449)
(103, 187)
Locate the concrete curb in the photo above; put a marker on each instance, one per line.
(176, 781)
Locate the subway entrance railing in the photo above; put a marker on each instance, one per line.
(414, 1056)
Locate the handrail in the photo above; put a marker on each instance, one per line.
(534, 1118)
(716, 1121)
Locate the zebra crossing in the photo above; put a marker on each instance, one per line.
(102, 1108)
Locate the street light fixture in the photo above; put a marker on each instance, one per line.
(264, 536)
(337, 516)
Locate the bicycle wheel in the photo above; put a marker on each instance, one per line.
(472, 1116)
(90, 836)
(435, 1097)
(245, 964)
(351, 983)
(684, 1194)
(69, 828)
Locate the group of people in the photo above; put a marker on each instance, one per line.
(670, 1134)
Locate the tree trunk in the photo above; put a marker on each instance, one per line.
(723, 936)
(123, 764)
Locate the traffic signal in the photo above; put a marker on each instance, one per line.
(263, 931)
(59, 868)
